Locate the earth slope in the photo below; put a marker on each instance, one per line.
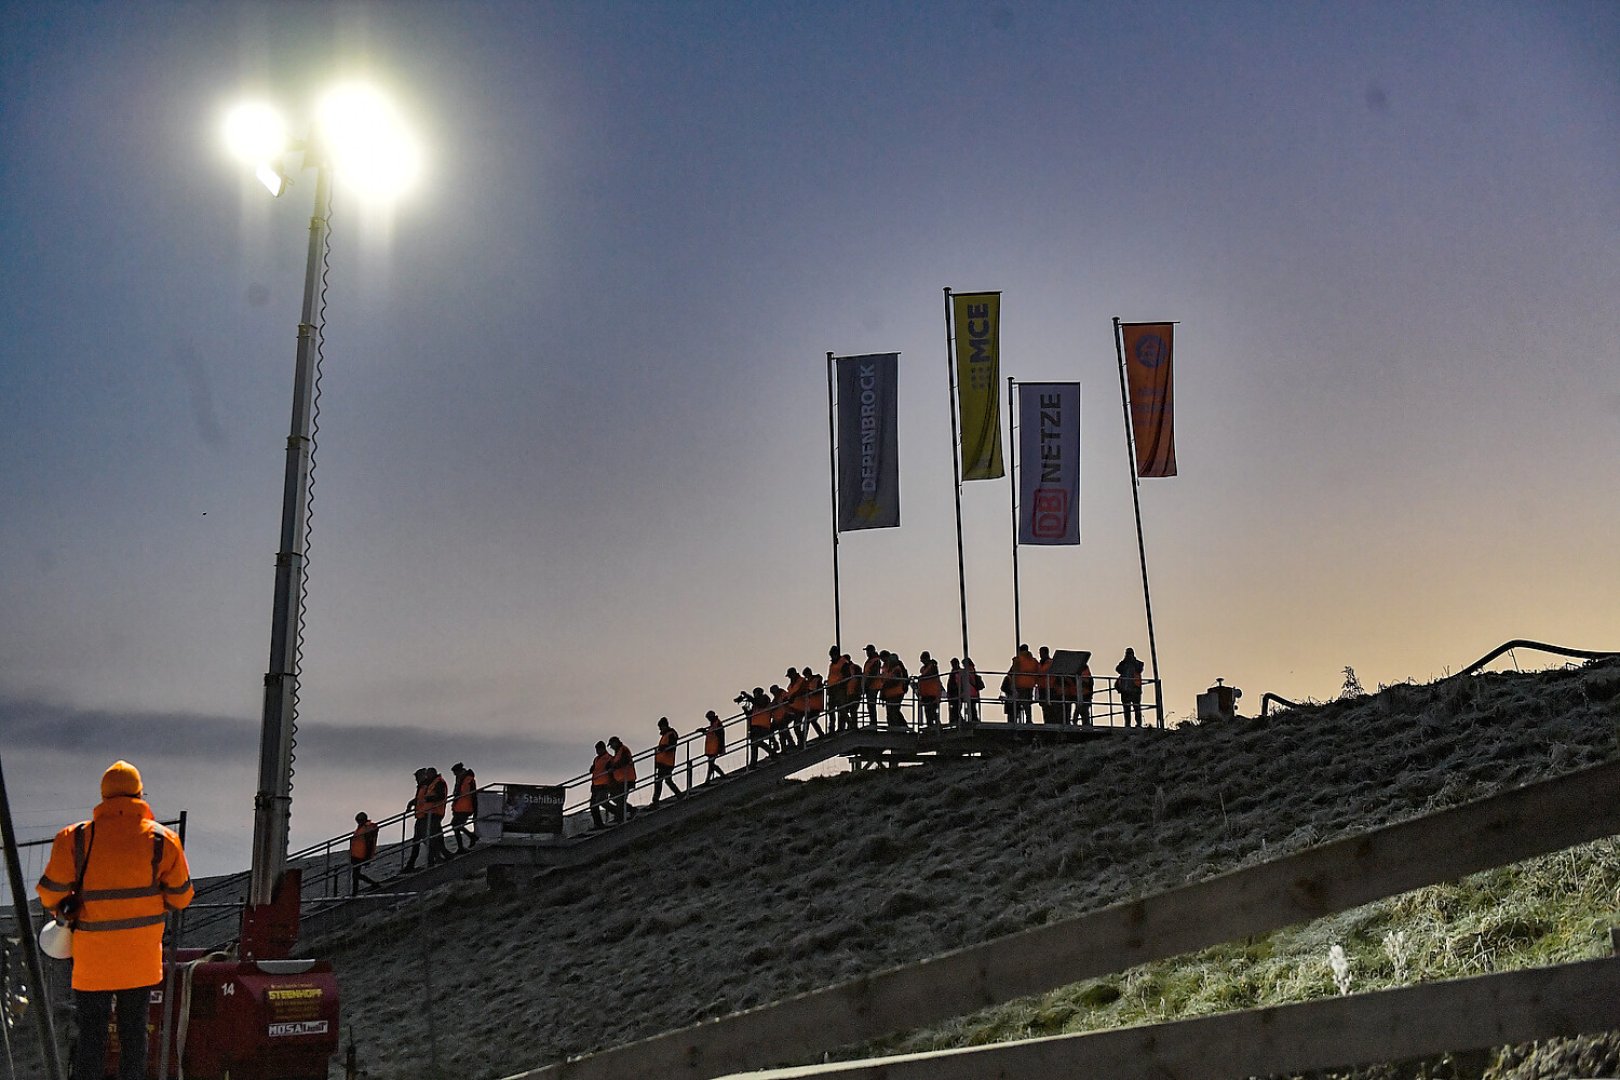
(833, 877)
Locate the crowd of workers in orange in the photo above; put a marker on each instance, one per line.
(782, 718)
(779, 720)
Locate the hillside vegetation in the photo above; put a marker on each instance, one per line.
(829, 878)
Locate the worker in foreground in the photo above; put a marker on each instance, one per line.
(115, 878)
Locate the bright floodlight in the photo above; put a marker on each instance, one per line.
(271, 178)
(367, 143)
(255, 134)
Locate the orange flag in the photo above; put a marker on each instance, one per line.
(1147, 369)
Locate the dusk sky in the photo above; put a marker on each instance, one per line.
(572, 465)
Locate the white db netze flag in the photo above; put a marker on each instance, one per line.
(1049, 463)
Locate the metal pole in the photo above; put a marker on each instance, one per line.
(956, 472)
(1136, 503)
(832, 485)
(177, 922)
(179, 919)
(1012, 489)
(25, 931)
(272, 804)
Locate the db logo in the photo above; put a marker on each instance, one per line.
(1051, 513)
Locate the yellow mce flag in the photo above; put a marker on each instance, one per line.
(976, 318)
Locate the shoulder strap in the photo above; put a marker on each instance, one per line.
(81, 851)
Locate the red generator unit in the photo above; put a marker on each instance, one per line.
(242, 1020)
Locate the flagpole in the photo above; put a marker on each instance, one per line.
(1012, 491)
(1136, 503)
(956, 473)
(956, 470)
(832, 486)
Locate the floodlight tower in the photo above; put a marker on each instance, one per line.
(357, 136)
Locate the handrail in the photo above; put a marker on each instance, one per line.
(1267, 699)
(1521, 643)
(1516, 643)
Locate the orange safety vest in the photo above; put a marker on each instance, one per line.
(665, 755)
(839, 675)
(1044, 669)
(929, 688)
(431, 797)
(873, 671)
(760, 718)
(796, 696)
(894, 683)
(132, 873)
(1063, 687)
(601, 769)
(465, 802)
(1024, 670)
(816, 700)
(624, 765)
(363, 844)
(779, 709)
(714, 739)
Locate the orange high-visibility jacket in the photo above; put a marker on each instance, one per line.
(714, 738)
(929, 688)
(363, 844)
(602, 770)
(624, 765)
(665, 754)
(838, 685)
(815, 692)
(873, 671)
(796, 696)
(134, 874)
(466, 802)
(431, 797)
(895, 682)
(1024, 669)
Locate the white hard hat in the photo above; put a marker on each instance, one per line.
(56, 940)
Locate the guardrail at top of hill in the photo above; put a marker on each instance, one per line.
(1266, 700)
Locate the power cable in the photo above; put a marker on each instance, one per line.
(309, 505)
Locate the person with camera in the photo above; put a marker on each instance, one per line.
(114, 879)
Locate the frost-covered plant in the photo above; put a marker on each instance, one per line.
(1352, 685)
(1340, 964)
(1399, 951)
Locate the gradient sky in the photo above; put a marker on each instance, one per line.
(573, 463)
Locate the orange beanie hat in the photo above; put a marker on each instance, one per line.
(121, 778)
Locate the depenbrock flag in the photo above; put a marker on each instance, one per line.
(1147, 363)
(868, 446)
(1049, 463)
